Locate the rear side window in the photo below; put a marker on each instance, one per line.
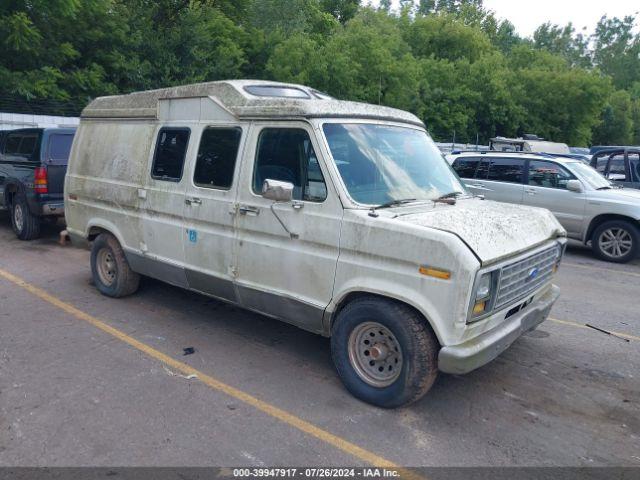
(171, 148)
(28, 144)
(506, 170)
(21, 144)
(466, 167)
(483, 169)
(59, 148)
(216, 159)
(13, 144)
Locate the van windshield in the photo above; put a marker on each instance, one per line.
(385, 163)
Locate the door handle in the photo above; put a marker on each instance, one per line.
(531, 191)
(248, 210)
(192, 201)
(479, 187)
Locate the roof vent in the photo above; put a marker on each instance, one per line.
(276, 91)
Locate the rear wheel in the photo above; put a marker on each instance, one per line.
(111, 272)
(616, 241)
(384, 352)
(25, 225)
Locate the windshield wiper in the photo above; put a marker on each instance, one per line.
(607, 187)
(448, 198)
(395, 203)
(448, 195)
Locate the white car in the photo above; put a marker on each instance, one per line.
(341, 218)
(589, 207)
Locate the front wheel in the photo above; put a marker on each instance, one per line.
(111, 272)
(384, 352)
(616, 241)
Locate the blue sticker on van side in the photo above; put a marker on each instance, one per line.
(193, 235)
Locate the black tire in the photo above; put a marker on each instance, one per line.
(631, 234)
(25, 224)
(116, 280)
(418, 345)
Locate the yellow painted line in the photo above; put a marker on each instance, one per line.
(275, 412)
(582, 325)
(602, 269)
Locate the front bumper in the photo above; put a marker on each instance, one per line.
(482, 349)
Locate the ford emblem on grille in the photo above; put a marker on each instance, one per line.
(533, 273)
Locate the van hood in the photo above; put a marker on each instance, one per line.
(493, 230)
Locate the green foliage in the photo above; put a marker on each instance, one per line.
(442, 37)
(617, 120)
(451, 62)
(564, 42)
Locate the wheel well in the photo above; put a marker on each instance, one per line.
(9, 193)
(600, 219)
(95, 231)
(350, 297)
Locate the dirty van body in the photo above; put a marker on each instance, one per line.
(338, 217)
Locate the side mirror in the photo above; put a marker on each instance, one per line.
(574, 186)
(277, 191)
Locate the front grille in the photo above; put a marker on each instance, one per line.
(525, 276)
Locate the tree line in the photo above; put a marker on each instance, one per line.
(453, 63)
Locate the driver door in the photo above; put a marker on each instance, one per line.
(287, 252)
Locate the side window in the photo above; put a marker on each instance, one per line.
(506, 170)
(286, 154)
(28, 144)
(634, 165)
(483, 169)
(12, 144)
(59, 148)
(548, 175)
(601, 164)
(617, 170)
(168, 159)
(466, 167)
(216, 160)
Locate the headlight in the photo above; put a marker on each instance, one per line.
(483, 295)
(483, 289)
(561, 248)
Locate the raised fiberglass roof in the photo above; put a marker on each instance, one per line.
(246, 99)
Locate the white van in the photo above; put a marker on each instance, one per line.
(339, 217)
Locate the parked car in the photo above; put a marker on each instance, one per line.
(339, 217)
(528, 143)
(584, 151)
(620, 165)
(587, 205)
(598, 148)
(33, 163)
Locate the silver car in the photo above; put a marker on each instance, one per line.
(589, 207)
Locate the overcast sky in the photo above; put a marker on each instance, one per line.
(527, 15)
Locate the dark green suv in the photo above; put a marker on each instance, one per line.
(33, 163)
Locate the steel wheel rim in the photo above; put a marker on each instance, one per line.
(107, 268)
(18, 217)
(615, 242)
(375, 354)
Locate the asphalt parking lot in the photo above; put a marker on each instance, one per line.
(88, 380)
